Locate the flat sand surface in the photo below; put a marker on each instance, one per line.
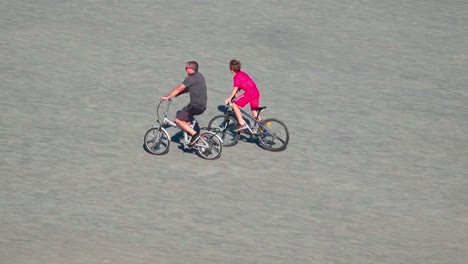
(374, 94)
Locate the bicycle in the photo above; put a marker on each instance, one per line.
(272, 134)
(157, 139)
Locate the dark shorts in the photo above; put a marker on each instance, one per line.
(187, 113)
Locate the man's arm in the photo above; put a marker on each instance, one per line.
(176, 91)
(185, 90)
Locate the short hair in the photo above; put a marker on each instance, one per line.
(235, 65)
(193, 65)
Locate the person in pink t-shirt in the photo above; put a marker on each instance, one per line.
(251, 95)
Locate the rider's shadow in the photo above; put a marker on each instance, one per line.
(222, 108)
(245, 137)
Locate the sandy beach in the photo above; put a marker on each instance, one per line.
(374, 95)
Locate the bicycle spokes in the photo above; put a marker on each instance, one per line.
(273, 135)
(209, 146)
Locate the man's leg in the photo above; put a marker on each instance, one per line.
(187, 113)
(181, 117)
(188, 128)
(185, 125)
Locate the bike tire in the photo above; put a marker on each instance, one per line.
(273, 135)
(157, 141)
(209, 146)
(225, 127)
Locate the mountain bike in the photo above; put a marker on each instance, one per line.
(157, 139)
(271, 134)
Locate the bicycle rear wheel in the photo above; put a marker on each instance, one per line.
(273, 135)
(209, 146)
(157, 141)
(225, 127)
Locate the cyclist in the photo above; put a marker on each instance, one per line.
(195, 84)
(251, 95)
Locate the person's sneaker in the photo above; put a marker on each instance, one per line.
(194, 140)
(241, 127)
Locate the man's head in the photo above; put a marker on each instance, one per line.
(191, 67)
(235, 66)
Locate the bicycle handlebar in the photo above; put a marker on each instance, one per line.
(159, 105)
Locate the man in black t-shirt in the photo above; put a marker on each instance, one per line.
(195, 84)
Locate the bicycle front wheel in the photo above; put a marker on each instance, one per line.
(209, 146)
(157, 141)
(273, 135)
(225, 127)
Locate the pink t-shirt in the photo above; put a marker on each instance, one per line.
(244, 82)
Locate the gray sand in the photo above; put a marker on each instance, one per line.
(374, 94)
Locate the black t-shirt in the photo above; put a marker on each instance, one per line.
(196, 85)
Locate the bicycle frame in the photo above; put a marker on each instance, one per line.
(251, 128)
(271, 133)
(157, 140)
(166, 123)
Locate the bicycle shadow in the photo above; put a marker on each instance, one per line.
(178, 138)
(146, 149)
(222, 108)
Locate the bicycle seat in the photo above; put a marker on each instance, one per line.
(260, 108)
